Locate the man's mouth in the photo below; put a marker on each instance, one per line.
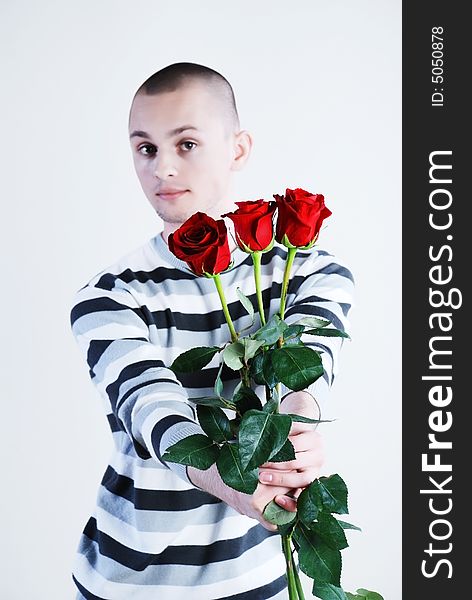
(171, 194)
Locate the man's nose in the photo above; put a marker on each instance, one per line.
(165, 165)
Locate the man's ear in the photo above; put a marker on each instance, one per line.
(242, 149)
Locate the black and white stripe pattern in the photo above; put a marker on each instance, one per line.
(152, 533)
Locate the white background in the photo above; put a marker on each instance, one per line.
(319, 86)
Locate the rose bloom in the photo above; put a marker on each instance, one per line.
(253, 224)
(299, 219)
(202, 243)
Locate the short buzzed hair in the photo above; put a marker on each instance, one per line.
(179, 74)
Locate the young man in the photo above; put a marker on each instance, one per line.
(161, 530)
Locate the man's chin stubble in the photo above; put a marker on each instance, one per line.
(173, 217)
(179, 216)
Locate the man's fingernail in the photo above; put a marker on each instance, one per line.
(265, 477)
(282, 501)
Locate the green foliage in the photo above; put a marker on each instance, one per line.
(214, 423)
(345, 525)
(261, 435)
(255, 368)
(268, 372)
(277, 515)
(317, 535)
(246, 303)
(218, 387)
(292, 334)
(271, 331)
(309, 506)
(302, 419)
(194, 359)
(213, 401)
(317, 559)
(330, 531)
(231, 471)
(327, 494)
(251, 347)
(233, 355)
(333, 492)
(363, 594)
(286, 453)
(245, 398)
(196, 450)
(327, 332)
(313, 322)
(327, 591)
(297, 366)
(271, 406)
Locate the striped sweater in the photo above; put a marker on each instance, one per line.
(153, 535)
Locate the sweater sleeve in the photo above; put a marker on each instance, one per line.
(321, 287)
(141, 394)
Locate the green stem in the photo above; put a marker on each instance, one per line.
(292, 585)
(256, 259)
(245, 377)
(298, 583)
(280, 343)
(288, 267)
(277, 395)
(267, 393)
(219, 287)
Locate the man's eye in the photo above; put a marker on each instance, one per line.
(188, 142)
(147, 146)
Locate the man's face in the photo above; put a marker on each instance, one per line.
(199, 162)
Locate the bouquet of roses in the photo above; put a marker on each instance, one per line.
(272, 355)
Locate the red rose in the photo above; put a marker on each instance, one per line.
(202, 243)
(299, 219)
(253, 224)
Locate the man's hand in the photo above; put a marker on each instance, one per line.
(251, 505)
(287, 479)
